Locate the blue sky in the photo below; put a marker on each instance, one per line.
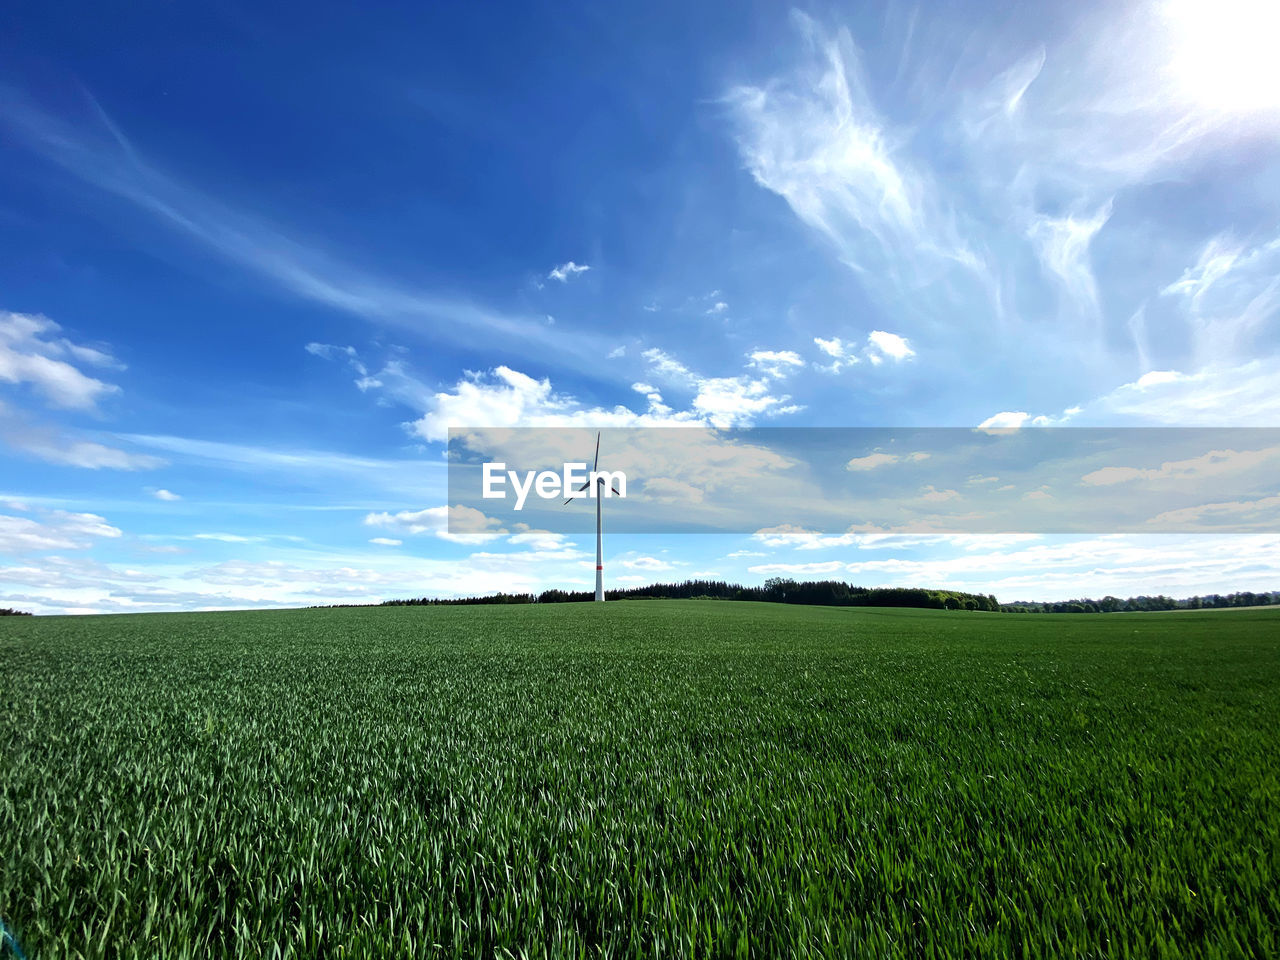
(254, 262)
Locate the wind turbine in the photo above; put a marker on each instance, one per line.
(600, 482)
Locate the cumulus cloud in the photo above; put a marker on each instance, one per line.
(1013, 419)
(882, 345)
(168, 495)
(508, 398)
(842, 354)
(738, 401)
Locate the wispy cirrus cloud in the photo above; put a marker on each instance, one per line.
(815, 138)
(1062, 245)
(96, 151)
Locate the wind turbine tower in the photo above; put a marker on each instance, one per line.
(598, 493)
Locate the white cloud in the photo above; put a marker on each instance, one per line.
(1263, 511)
(841, 353)
(1216, 260)
(784, 535)
(30, 353)
(775, 363)
(386, 542)
(1211, 464)
(870, 461)
(566, 271)
(833, 347)
(1013, 419)
(331, 352)
(54, 447)
(508, 398)
(880, 459)
(1224, 395)
(542, 540)
(459, 523)
(1062, 244)
(1228, 298)
(882, 344)
(168, 495)
(668, 490)
(652, 564)
(737, 401)
(717, 308)
(79, 584)
(55, 530)
(616, 352)
(1029, 568)
(816, 568)
(933, 495)
(814, 138)
(668, 367)
(1154, 378)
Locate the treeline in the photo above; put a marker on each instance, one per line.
(834, 593)
(10, 612)
(1214, 601)
(837, 593)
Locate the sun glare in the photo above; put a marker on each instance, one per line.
(1224, 53)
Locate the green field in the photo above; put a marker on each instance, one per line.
(664, 778)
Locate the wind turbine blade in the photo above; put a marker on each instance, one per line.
(579, 490)
(597, 463)
(615, 490)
